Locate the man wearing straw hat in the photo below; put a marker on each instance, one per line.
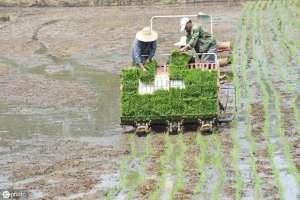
(199, 39)
(144, 47)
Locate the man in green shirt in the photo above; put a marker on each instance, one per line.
(199, 39)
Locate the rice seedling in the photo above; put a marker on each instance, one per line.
(233, 133)
(198, 99)
(217, 160)
(262, 75)
(165, 158)
(249, 99)
(179, 166)
(201, 161)
(148, 77)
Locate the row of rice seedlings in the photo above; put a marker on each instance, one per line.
(291, 20)
(126, 161)
(249, 98)
(286, 46)
(123, 171)
(179, 165)
(148, 150)
(295, 23)
(218, 162)
(234, 154)
(266, 98)
(201, 161)
(233, 132)
(129, 182)
(287, 39)
(294, 13)
(277, 99)
(165, 159)
(294, 2)
(236, 82)
(270, 146)
(260, 76)
(289, 87)
(288, 17)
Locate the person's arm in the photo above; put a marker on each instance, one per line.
(137, 55)
(152, 50)
(193, 38)
(185, 48)
(196, 34)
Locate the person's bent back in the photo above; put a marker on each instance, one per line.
(144, 47)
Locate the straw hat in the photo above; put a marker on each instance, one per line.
(146, 35)
(182, 42)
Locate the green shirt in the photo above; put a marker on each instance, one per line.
(200, 39)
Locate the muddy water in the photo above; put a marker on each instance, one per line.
(98, 117)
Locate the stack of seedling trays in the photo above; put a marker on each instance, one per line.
(177, 92)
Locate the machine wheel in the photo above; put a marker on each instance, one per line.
(175, 127)
(206, 126)
(143, 128)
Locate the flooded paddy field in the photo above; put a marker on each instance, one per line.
(60, 136)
